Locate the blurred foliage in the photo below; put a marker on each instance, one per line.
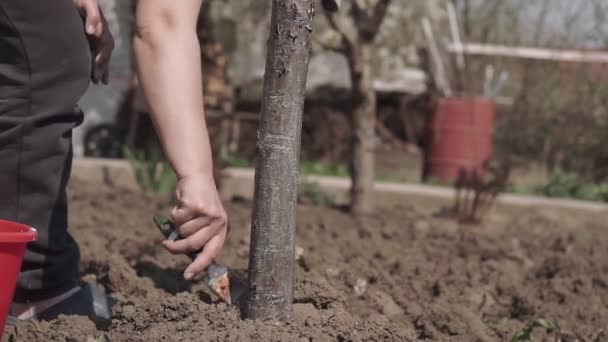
(103, 141)
(559, 114)
(560, 117)
(232, 160)
(313, 193)
(320, 168)
(152, 172)
(569, 185)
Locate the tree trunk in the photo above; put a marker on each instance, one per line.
(363, 122)
(271, 274)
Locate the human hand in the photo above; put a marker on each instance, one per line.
(100, 38)
(201, 221)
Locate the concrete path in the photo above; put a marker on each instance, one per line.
(239, 181)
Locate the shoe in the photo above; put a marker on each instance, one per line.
(88, 301)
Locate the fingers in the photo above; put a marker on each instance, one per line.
(200, 219)
(181, 214)
(93, 22)
(212, 249)
(187, 211)
(100, 38)
(206, 232)
(102, 61)
(193, 243)
(189, 228)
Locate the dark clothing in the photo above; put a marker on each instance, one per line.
(44, 70)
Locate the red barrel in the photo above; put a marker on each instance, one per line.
(462, 129)
(13, 239)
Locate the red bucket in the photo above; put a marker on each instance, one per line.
(13, 238)
(462, 136)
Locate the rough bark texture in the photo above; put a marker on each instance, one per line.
(363, 123)
(271, 274)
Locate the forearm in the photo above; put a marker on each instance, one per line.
(169, 69)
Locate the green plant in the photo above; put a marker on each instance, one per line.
(482, 304)
(525, 335)
(561, 184)
(320, 168)
(152, 172)
(314, 193)
(498, 326)
(569, 185)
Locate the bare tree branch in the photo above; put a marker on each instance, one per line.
(540, 26)
(378, 13)
(368, 18)
(358, 5)
(358, 10)
(337, 23)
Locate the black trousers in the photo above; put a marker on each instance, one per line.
(44, 70)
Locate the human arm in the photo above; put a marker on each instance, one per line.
(167, 53)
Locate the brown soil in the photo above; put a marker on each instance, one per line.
(402, 274)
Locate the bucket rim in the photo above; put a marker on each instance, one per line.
(14, 232)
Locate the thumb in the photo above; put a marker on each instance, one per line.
(92, 18)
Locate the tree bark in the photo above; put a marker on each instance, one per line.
(363, 123)
(271, 273)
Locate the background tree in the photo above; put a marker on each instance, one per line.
(358, 24)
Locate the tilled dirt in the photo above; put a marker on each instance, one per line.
(401, 274)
